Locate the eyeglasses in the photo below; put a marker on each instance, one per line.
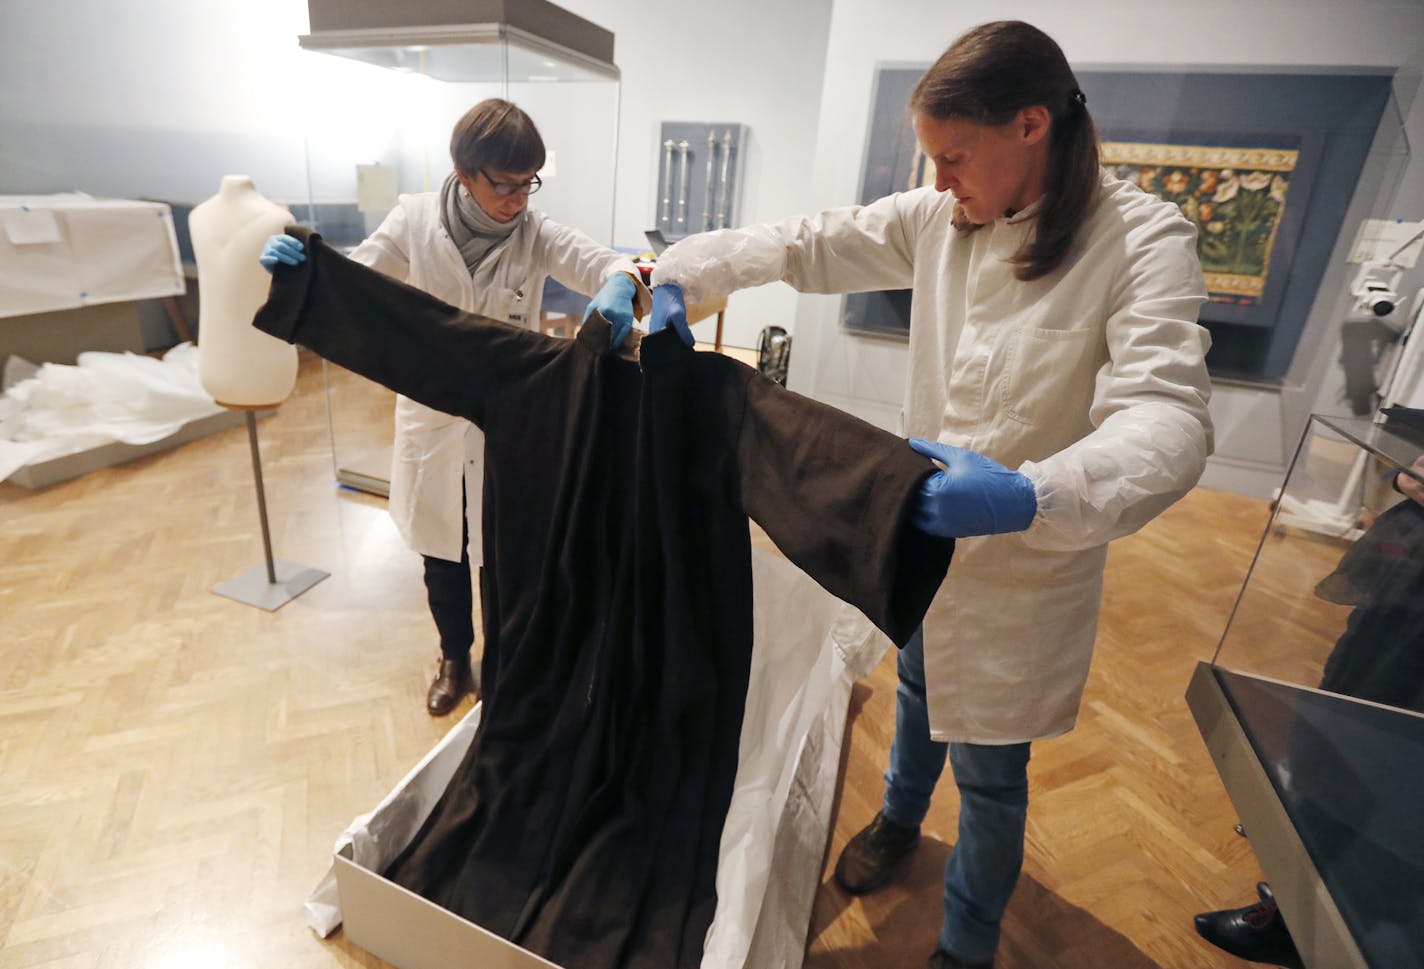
(512, 188)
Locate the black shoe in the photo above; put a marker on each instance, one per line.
(874, 856)
(943, 960)
(451, 683)
(1256, 933)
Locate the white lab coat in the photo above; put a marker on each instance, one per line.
(1091, 380)
(434, 452)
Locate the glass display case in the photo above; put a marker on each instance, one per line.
(1313, 705)
(428, 63)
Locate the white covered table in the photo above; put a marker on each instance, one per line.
(71, 249)
(71, 270)
(71, 267)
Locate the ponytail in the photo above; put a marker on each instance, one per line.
(1072, 190)
(986, 77)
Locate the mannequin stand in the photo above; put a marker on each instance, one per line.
(1340, 517)
(276, 582)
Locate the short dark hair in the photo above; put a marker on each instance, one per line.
(986, 77)
(497, 135)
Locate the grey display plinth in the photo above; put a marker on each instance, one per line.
(274, 583)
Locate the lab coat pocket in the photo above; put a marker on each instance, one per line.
(1049, 375)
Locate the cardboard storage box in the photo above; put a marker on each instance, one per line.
(397, 925)
(808, 651)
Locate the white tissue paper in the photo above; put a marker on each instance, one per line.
(56, 409)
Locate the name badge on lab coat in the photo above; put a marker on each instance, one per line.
(515, 301)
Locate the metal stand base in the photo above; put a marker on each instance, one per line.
(251, 587)
(275, 582)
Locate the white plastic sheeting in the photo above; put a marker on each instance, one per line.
(71, 249)
(57, 409)
(808, 650)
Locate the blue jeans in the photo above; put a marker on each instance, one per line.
(984, 865)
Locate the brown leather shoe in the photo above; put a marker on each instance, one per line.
(452, 682)
(943, 960)
(875, 856)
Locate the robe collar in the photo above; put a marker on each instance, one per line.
(653, 351)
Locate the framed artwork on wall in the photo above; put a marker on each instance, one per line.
(1265, 165)
(1236, 197)
(1247, 202)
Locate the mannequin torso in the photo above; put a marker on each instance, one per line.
(240, 366)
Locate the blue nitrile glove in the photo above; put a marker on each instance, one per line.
(669, 310)
(285, 249)
(974, 495)
(614, 303)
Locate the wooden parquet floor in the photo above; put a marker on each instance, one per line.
(176, 765)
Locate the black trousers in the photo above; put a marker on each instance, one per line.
(452, 604)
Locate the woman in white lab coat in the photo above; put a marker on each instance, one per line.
(1053, 332)
(475, 244)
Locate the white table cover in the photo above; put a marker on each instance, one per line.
(68, 250)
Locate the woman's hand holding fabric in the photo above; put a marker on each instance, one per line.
(284, 249)
(670, 310)
(973, 495)
(614, 302)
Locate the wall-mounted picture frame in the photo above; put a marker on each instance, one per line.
(893, 163)
(1247, 202)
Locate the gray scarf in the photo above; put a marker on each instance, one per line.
(474, 232)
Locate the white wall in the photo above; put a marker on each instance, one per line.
(1256, 429)
(160, 98)
(759, 63)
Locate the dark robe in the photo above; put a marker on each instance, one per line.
(584, 822)
(1380, 655)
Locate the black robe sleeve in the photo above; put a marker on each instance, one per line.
(834, 492)
(831, 490)
(399, 336)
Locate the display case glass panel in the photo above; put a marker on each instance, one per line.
(402, 145)
(1313, 706)
(1335, 596)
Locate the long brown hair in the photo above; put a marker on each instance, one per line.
(986, 77)
(497, 135)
